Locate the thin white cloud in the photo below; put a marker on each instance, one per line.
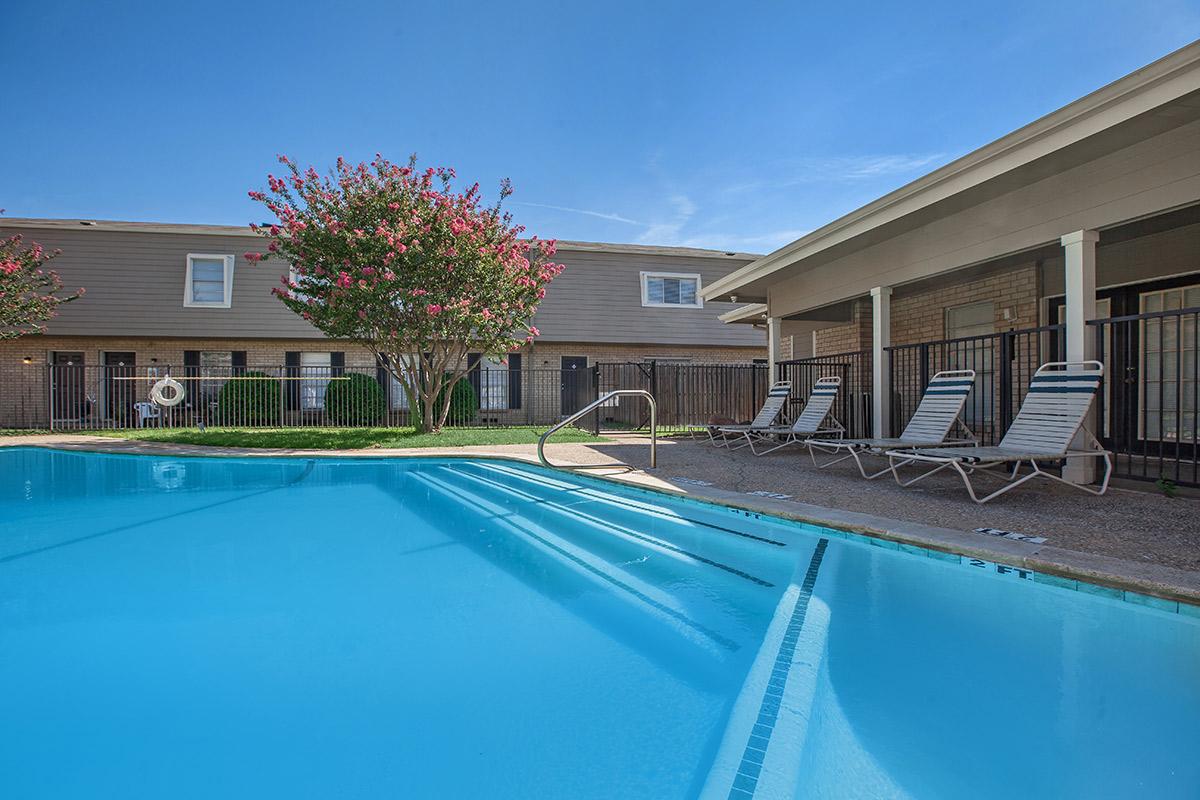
(839, 169)
(857, 167)
(584, 211)
(667, 231)
(754, 243)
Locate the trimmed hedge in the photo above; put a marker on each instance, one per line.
(464, 404)
(356, 401)
(251, 399)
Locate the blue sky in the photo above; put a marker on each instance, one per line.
(727, 125)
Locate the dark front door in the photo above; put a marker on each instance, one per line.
(576, 382)
(68, 387)
(119, 393)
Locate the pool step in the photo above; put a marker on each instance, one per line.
(655, 617)
(759, 559)
(694, 517)
(619, 536)
(707, 589)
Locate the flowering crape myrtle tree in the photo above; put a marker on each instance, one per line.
(397, 260)
(29, 295)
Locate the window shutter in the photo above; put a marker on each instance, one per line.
(474, 374)
(291, 388)
(191, 363)
(238, 361)
(514, 380)
(337, 364)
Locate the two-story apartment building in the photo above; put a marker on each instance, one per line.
(182, 299)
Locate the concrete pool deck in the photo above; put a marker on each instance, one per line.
(1133, 540)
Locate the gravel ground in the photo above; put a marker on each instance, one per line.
(1140, 526)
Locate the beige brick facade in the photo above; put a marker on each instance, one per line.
(920, 316)
(853, 336)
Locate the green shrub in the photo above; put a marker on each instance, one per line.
(249, 399)
(356, 401)
(464, 404)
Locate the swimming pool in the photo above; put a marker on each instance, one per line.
(201, 627)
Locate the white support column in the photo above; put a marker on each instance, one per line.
(1079, 265)
(881, 377)
(774, 344)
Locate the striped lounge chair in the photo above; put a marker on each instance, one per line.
(937, 414)
(777, 397)
(1060, 396)
(815, 420)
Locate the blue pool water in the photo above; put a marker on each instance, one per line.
(191, 627)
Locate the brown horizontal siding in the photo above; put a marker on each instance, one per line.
(135, 285)
(135, 282)
(598, 298)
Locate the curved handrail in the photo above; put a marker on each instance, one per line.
(591, 407)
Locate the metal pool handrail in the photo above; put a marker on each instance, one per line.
(591, 407)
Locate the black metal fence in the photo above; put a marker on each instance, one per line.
(686, 394)
(1004, 363)
(853, 404)
(91, 397)
(1146, 413)
(1147, 409)
(79, 397)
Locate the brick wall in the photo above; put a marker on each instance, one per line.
(850, 337)
(921, 317)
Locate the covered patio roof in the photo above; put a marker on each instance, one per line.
(1158, 98)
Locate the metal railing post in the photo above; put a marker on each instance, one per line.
(541, 446)
(596, 396)
(1006, 385)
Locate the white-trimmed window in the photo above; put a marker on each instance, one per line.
(294, 277)
(209, 281)
(315, 372)
(1168, 366)
(671, 290)
(973, 320)
(493, 384)
(399, 400)
(216, 367)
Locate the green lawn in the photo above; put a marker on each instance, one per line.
(344, 438)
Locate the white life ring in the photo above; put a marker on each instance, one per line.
(173, 399)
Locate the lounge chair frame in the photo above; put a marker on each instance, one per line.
(776, 401)
(1063, 424)
(816, 419)
(928, 427)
